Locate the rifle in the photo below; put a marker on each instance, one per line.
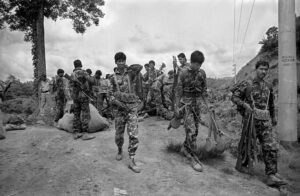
(176, 74)
(247, 146)
(79, 84)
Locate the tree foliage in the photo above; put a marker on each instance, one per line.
(17, 88)
(271, 42)
(28, 16)
(21, 14)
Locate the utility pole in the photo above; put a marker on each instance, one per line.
(287, 98)
(234, 72)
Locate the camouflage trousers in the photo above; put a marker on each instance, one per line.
(60, 103)
(269, 145)
(121, 119)
(81, 114)
(191, 116)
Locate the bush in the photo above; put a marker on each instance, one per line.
(20, 106)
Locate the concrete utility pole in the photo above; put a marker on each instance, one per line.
(287, 116)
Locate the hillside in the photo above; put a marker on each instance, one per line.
(247, 71)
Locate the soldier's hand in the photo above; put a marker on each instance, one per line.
(176, 112)
(68, 106)
(247, 107)
(274, 121)
(120, 105)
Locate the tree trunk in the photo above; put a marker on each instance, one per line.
(40, 41)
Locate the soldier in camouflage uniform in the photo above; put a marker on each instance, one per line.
(61, 94)
(190, 91)
(126, 102)
(163, 94)
(182, 60)
(101, 88)
(257, 96)
(80, 88)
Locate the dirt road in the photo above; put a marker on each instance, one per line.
(46, 161)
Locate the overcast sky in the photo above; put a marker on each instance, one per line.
(148, 30)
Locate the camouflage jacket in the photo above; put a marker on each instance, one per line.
(256, 94)
(191, 84)
(60, 87)
(181, 67)
(101, 86)
(122, 88)
(163, 83)
(84, 80)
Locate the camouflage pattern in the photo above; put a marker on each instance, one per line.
(123, 93)
(81, 101)
(189, 92)
(256, 94)
(152, 76)
(269, 145)
(101, 89)
(129, 118)
(162, 96)
(81, 109)
(61, 95)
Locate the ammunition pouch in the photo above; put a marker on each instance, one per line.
(261, 114)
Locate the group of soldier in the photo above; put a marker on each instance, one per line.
(127, 93)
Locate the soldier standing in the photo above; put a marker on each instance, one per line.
(189, 94)
(96, 90)
(80, 90)
(102, 87)
(182, 60)
(61, 94)
(44, 90)
(126, 102)
(256, 97)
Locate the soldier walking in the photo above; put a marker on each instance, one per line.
(126, 102)
(189, 94)
(256, 97)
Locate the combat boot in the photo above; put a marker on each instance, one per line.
(133, 166)
(77, 135)
(275, 180)
(185, 153)
(119, 155)
(196, 165)
(85, 136)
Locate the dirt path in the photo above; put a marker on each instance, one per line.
(46, 161)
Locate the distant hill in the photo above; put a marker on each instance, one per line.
(247, 72)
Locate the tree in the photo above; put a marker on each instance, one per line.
(271, 42)
(28, 16)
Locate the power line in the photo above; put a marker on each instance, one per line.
(237, 37)
(233, 44)
(246, 29)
